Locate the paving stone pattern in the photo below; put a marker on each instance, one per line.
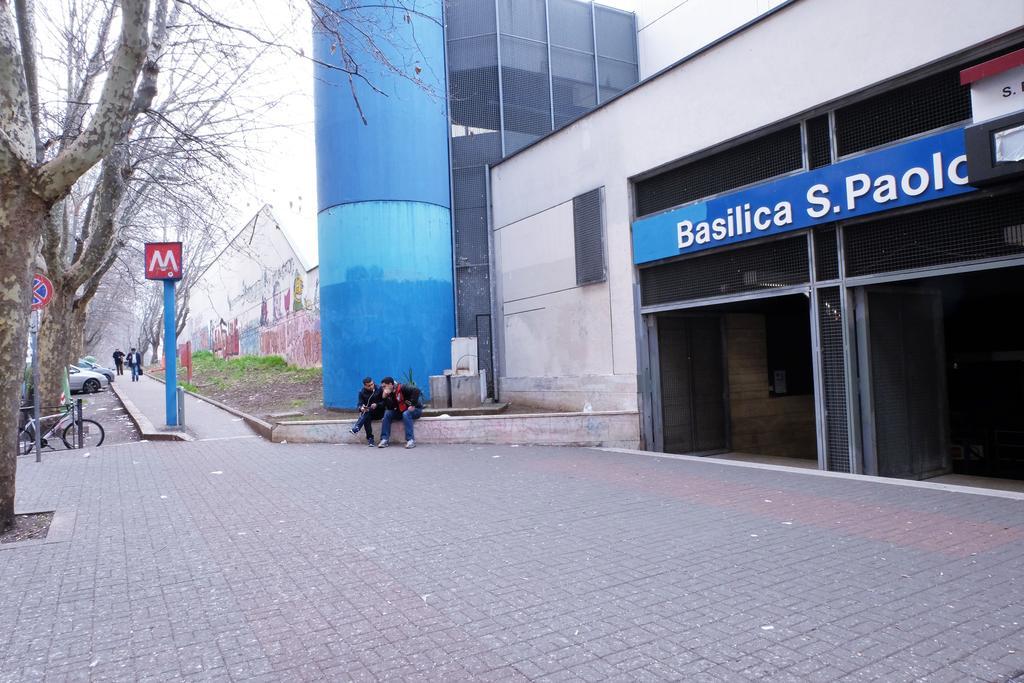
(245, 560)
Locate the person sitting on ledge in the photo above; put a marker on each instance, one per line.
(371, 408)
(402, 401)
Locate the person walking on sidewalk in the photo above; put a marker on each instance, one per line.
(119, 361)
(135, 364)
(400, 401)
(371, 407)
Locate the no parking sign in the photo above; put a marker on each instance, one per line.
(42, 291)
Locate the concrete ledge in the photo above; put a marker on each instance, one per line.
(142, 423)
(261, 427)
(610, 429)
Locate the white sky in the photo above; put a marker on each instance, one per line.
(281, 165)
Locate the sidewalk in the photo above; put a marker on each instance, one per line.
(243, 559)
(202, 420)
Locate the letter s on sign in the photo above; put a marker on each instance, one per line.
(685, 233)
(819, 203)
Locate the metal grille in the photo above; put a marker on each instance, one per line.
(992, 227)
(573, 70)
(574, 85)
(819, 144)
(766, 157)
(614, 77)
(826, 254)
(926, 104)
(474, 296)
(525, 90)
(757, 267)
(485, 349)
(467, 18)
(616, 34)
(571, 25)
(470, 216)
(473, 89)
(523, 18)
(833, 378)
(616, 51)
(588, 230)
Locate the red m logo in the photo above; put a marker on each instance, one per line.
(163, 261)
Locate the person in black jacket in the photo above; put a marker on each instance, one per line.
(400, 401)
(134, 361)
(371, 407)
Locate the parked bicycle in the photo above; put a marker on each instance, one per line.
(66, 428)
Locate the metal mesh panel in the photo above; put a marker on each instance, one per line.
(526, 90)
(819, 145)
(571, 25)
(768, 265)
(523, 18)
(474, 296)
(465, 18)
(917, 107)
(766, 157)
(473, 88)
(826, 254)
(833, 377)
(573, 83)
(616, 34)
(589, 237)
(614, 77)
(474, 149)
(991, 227)
(485, 349)
(469, 194)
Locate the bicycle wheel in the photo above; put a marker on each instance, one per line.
(92, 437)
(26, 441)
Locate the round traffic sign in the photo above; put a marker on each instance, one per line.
(42, 291)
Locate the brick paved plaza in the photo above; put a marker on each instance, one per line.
(239, 559)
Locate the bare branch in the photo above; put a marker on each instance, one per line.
(115, 104)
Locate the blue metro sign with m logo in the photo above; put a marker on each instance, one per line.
(918, 171)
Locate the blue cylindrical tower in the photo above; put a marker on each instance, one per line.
(386, 296)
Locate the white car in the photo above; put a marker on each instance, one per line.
(85, 381)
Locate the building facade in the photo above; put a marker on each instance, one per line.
(259, 297)
(517, 70)
(773, 247)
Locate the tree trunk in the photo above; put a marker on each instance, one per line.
(21, 220)
(155, 341)
(55, 348)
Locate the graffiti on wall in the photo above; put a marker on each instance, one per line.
(274, 317)
(296, 339)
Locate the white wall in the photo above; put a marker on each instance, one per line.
(259, 265)
(668, 30)
(778, 68)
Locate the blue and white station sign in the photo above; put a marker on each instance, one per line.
(918, 171)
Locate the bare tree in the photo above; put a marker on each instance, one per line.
(33, 182)
(177, 156)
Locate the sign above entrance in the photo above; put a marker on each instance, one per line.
(918, 171)
(163, 261)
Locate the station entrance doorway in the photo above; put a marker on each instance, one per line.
(941, 372)
(736, 377)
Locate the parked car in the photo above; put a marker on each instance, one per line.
(85, 381)
(91, 366)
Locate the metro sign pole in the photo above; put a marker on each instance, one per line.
(164, 262)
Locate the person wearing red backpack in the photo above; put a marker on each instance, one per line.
(400, 401)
